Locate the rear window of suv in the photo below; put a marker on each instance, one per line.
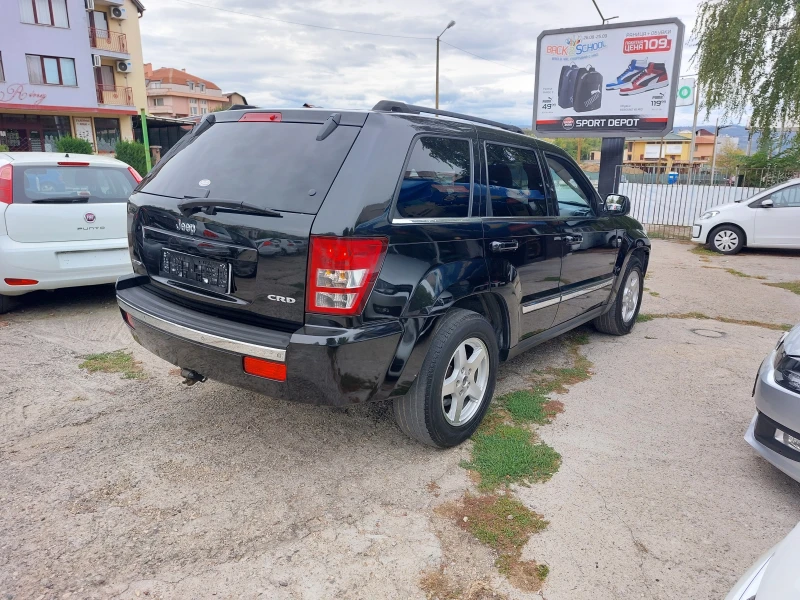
(57, 184)
(280, 166)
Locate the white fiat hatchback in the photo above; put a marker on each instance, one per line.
(770, 219)
(62, 221)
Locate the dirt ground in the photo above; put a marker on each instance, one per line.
(116, 488)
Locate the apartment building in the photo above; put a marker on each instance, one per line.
(69, 67)
(176, 93)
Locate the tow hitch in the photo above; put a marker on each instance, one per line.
(191, 377)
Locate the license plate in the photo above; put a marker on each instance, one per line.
(202, 272)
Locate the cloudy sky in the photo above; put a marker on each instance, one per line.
(278, 64)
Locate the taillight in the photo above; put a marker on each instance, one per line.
(6, 187)
(342, 272)
(135, 174)
(261, 117)
(209, 234)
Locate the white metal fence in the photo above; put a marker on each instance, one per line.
(668, 202)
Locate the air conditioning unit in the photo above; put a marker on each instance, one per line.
(89, 4)
(96, 60)
(117, 13)
(124, 66)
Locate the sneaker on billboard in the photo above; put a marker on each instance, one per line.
(635, 68)
(652, 78)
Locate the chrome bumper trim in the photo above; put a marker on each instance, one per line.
(526, 308)
(200, 337)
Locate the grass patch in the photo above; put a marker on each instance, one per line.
(526, 406)
(505, 525)
(118, 361)
(703, 251)
(654, 294)
(792, 286)
(645, 317)
(506, 454)
(740, 274)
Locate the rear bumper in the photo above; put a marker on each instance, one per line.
(324, 365)
(61, 264)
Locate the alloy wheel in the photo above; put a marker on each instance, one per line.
(465, 381)
(630, 296)
(726, 240)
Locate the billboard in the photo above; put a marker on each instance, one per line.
(608, 80)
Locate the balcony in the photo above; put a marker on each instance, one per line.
(110, 41)
(114, 95)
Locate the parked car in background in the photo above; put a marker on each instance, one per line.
(774, 576)
(770, 219)
(62, 221)
(775, 429)
(416, 253)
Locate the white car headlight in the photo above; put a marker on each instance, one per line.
(709, 214)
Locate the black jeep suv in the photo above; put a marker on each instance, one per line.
(350, 256)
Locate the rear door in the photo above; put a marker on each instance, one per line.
(249, 261)
(521, 239)
(589, 239)
(779, 225)
(66, 202)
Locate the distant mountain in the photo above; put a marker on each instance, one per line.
(735, 131)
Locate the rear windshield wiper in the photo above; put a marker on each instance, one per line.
(209, 206)
(59, 200)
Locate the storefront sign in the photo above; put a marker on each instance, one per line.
(15, 93)
(83, 129)
(608, 80)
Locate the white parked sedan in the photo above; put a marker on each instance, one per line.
(63, 221)
(770, 219)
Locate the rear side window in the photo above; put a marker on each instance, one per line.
(54, 185)
(437, 182)
(516, 187)
(280, 166)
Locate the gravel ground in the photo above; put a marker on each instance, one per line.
(114, 488)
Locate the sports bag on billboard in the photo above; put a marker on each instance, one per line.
(588, 90)
(566, 85)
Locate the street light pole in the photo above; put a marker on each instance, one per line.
(449, 25)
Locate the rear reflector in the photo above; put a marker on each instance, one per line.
(261, 117)
(128, 319)
(6, 187)
(67, 163)
(342, 272)
(12, 281)
(135, 174)
(265, 368)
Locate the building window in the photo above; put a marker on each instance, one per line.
(2, 74)
(51, 70)
(203, 111)
(155, 85)
(158, 101)
(44, 12)
(190, 84)
(107, 134)
(192, 100)
(193, 110)
(203, 102)
(202, 87)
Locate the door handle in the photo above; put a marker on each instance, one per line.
(504, 246)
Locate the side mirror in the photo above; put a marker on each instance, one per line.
(617, 204)
(767, 203)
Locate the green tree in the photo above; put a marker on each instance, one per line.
(133, 154)
(73, 145)
(729, 155)
(570, 146)
(748, 54)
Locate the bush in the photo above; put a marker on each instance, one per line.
(133, 154)
(3, 148)
(74, 145)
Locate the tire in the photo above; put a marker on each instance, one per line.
(6, 304)
(726, 239)
(621, 318)
(425, 413)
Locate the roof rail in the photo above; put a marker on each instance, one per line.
(402, 107)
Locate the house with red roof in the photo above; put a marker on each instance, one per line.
(176, 93)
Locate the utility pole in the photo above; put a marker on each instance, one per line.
(146, 140)
(449, 25)
(694, 122)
